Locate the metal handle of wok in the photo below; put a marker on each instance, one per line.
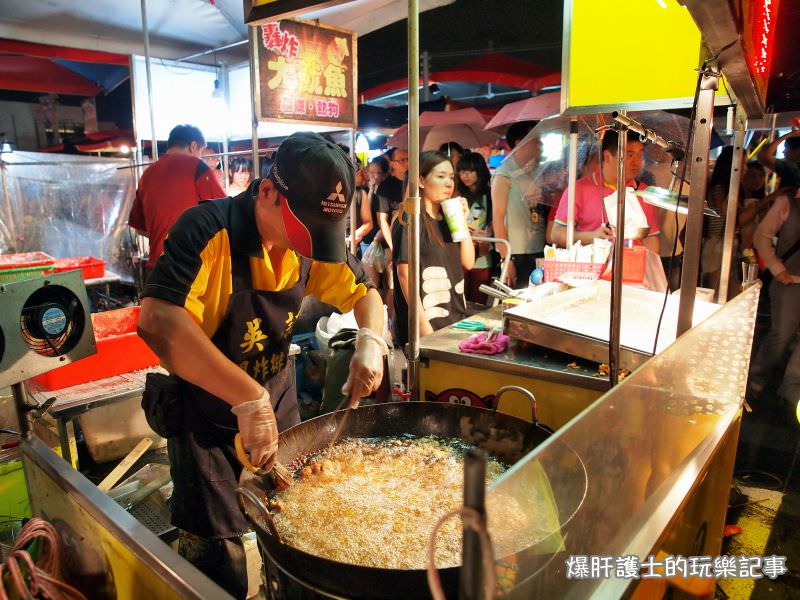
(506, 260)
(527, 393)
(243, 494)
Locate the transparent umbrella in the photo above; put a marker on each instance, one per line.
(542, 157)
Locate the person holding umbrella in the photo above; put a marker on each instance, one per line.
(512, 217)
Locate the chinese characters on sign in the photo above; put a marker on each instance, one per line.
(581, 566)
(306, 73)
(266, 365)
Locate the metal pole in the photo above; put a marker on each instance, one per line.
(11, 229)
(136, 154)
(253, 107)
(211, 51)
(154, 140)
(21, 407)
(701, 142)
(733, 205)
(226, 131)
(471, 580)
(616, 278)
(772, 179)
(674, 148)
(573, 176)
(426, 76)
(354, 208)
(412, 202)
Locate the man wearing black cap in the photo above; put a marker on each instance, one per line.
(219, 310)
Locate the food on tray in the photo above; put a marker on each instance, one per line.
(603, 370)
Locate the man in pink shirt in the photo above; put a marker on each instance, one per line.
(783, 261)
(590, 215)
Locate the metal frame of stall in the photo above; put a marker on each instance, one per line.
(141, 561)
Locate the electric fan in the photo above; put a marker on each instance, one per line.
(44, 324)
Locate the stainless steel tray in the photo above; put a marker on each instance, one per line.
(577, 322)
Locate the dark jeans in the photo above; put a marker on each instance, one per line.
(772, 350)
(222, 560)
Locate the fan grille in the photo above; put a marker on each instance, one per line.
(52, 321)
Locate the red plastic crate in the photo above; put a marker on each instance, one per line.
(90, 266)
(25, 259)
(119, 350)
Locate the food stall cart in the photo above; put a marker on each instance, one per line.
(657, 450)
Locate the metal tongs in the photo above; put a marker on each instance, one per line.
(498, 290)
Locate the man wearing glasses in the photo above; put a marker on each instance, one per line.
(390, 192)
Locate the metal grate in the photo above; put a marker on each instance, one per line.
(152, 512)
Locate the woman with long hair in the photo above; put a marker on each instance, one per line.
(473, 182)
(442, 261)
(377, 171)
(240, 175)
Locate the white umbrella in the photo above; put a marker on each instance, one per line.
(465, 126)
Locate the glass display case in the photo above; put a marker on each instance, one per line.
(644, 471)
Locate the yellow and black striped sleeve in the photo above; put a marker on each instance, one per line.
(339, 284)
(194, 268)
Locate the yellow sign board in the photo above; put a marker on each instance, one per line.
(631, 54)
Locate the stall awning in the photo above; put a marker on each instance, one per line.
(62, 53)
(497, 69)
(33, 74)
(32, 67)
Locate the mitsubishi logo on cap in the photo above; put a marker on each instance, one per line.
(335, 203)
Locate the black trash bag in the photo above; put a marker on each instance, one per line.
(343, 345)
(163, 404)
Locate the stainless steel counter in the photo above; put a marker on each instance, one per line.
(521, 358)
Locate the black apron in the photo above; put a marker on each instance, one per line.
(255, 334)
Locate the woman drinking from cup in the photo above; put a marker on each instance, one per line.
(445, 251)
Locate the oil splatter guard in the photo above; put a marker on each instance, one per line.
(281, 477)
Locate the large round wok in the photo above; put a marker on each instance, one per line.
(503, 436)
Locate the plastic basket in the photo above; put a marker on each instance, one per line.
(554, 269)
(9, 275)
(24, 265)
(25, 259)
(90, 267)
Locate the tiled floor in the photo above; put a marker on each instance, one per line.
(767, 466)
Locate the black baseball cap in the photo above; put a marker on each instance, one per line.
(315, 179)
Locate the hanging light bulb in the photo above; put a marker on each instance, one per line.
(217, 94)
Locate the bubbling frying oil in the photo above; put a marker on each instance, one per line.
(374, 502)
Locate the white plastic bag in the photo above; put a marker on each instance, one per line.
(374, 257)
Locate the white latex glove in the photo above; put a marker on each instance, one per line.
(366, 366)
(259, 430)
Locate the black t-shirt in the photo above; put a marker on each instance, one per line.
(788, 171)
(389, 194)
(441, 278)
(373, 210)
